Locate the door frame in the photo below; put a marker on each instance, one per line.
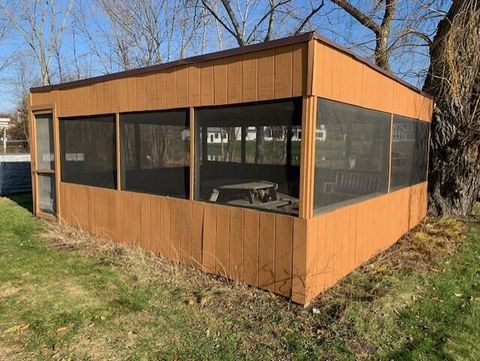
(34, 111)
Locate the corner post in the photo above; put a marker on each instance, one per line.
(307, 151)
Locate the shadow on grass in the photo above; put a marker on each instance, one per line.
(24, 200)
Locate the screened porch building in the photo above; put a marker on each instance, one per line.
(284, 165)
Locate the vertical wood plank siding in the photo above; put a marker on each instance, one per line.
(238, 243)
(262, 75)
(338, 242)
(338, 76)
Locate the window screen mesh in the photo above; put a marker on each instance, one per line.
(279, 144)
(156, 152)
(44, 138)
(423, 131)
(352, 148)
(46, 193)
(409, 152)
(88, 151)
(249, 155)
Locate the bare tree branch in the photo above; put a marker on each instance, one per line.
(234, 21)
(381, 31)
(358, 15)
(23, 17)
(309, 16)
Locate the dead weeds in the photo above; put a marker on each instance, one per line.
(418, 251)
(374, 286)
(146, 268)
(376, 290)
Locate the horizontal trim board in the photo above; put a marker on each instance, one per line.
(370, 109)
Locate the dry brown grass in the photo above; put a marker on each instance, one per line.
(418, 251)
(146, 268)
(434, 239)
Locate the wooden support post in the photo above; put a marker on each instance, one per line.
(307, 157)
(390, 155)
(58, 165)
(307, 150)
(117, 150)
(192, 154)
(33, 153)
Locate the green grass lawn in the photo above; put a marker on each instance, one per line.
(64, 295)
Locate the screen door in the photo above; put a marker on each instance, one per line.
(44, 166)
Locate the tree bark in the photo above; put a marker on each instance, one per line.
(454, 81)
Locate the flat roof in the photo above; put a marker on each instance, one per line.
(296, 39)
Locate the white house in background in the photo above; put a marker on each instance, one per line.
(250, 134)
(321, 134)
(270, 133)
(217, 135)
(4, 124)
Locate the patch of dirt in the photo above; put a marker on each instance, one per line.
(9, 291)
(5, 352)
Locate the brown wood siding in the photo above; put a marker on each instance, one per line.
(261, 75)
(291, 256)
(338, 76)
(241, 244)
(340, 241)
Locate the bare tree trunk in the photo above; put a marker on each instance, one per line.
(381, 31)
(454, 81)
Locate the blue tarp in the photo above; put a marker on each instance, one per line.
(15, 174)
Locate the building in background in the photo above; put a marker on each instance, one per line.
(4, 125)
